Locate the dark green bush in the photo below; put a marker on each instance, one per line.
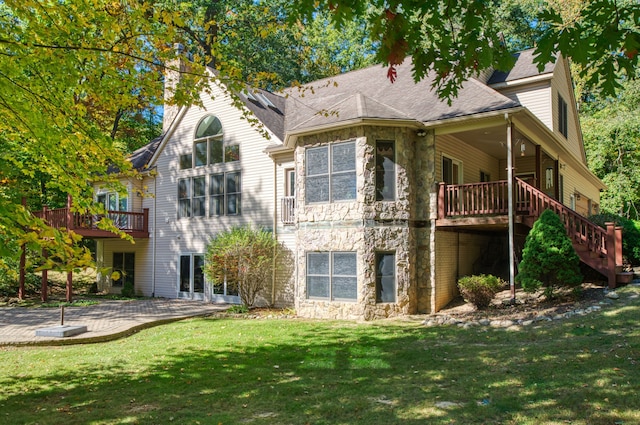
(479, 290)
(128, 290)
(630, 234)
(548, 257)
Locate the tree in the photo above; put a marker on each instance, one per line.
(611, 131)
(548, 257)
(69, 71)
(454, 40)
(244, 258)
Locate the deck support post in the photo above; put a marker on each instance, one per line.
(44, 289)
(70, 221)
(69, 286)
(611, 254)
(23, 262)
(442, 208)
(512, 284)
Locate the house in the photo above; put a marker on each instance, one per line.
(382, 193)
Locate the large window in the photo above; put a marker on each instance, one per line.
(385, 277)
(332, 275)
(563, 117)
(209, 146)
(225, 193)
(331, 173)
(124, 265)
(385, 170)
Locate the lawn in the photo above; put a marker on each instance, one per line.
(220, 370)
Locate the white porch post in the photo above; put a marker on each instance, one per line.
(512, 286)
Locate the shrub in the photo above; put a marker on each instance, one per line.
(238, 309)
(548, 257)
(479, 290)
(630, 234)
(128, 290)
(244, 258)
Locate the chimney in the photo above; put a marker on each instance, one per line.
(172, 75)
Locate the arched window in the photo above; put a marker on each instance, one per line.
(224, 192)
(209, 147)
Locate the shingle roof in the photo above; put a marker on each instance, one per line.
(523, 68)
(368, 93)
(141, 156)
(270, 113)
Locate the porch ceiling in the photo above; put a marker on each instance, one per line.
(493, 141)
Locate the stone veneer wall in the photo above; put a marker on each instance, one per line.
(366, 226)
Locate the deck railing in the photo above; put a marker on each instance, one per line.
(126, 221)
(491, 198)
(288, 209)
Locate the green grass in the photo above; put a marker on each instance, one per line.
(221, 370)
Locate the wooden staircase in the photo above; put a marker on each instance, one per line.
(600, 249)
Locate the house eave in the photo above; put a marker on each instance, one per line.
(450, 125)
(291, 137)
(522, 81)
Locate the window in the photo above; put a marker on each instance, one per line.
(124, 265)
(290, 182)
(563, 118)
(191, 274)
(112, 201)
(451, 171)
(385, 277)
(485, 177)
(331, 173)
(184, 198)
(385, 171)
(332, 275)
(199, 197)
(186, 161)
(225, 193)
(192, 197)
(209, 147)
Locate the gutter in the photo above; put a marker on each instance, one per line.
(291, 136)
(521, 81)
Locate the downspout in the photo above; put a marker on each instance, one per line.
(153, 246)
(275, 232)
(512, 286)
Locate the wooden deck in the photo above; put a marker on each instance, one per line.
(485, 206)
(135, 224)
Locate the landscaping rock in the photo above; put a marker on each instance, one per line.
(612, 295)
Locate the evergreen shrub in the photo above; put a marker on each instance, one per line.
(548, 258)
